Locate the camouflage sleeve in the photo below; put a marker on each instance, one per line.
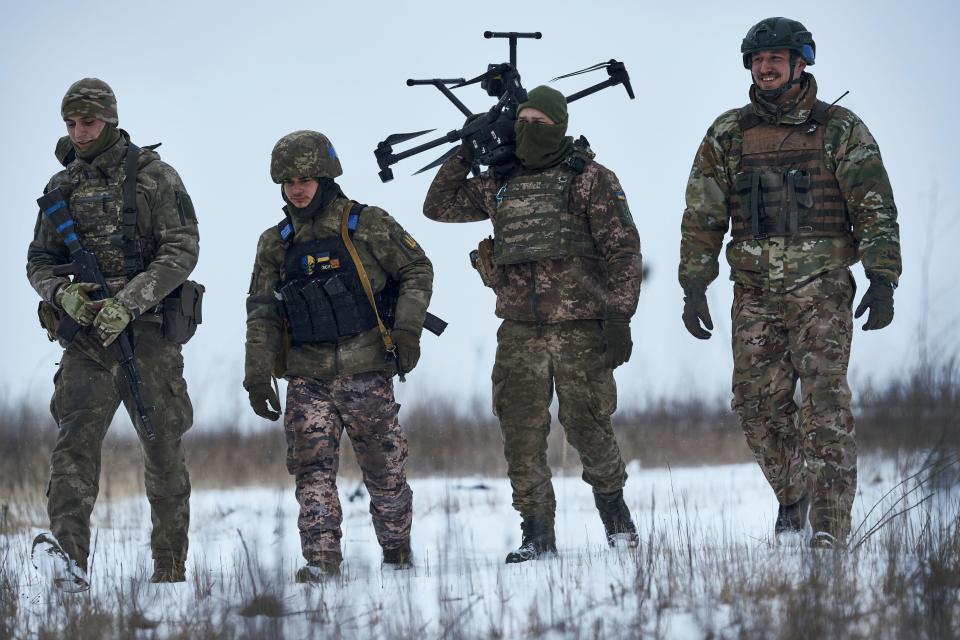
(46, 251)
(403, 259)
(706, 217)
(866, 188)
(177, 241)
(264, 315)
(616, 236)
(453, 197)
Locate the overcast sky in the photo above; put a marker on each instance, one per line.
(219, 82)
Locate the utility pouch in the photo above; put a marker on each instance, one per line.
(50, 317)
(182, 312)
(481, 259)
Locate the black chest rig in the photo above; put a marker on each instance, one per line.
(322, 295)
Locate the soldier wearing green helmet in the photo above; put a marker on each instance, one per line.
(336, 306)
(801, 187)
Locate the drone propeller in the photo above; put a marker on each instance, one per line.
(439, 161)
(395, 138)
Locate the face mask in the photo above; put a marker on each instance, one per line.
(541, 145)
(107, 138)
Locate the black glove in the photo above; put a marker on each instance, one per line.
(261, 394)
(466, 149)
(408, 348)
(618, 345)
(879, 299)
(695, 311)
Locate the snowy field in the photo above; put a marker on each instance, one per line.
(707, 567)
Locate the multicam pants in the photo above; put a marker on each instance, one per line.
(88, 389)
(778, 338)
(532, 359)
(317, 413)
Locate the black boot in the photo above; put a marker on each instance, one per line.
(399, 558)
(616, 518)
(792, 518)
(538, 539)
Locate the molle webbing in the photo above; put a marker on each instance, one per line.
(784, 187)
(132, 258)
(534, 221)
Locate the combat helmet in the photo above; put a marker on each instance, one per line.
(304, 153)
(778, 33)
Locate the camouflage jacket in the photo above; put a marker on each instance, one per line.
(166, 221)
(386, 251)
(776, 263)
(554, 290)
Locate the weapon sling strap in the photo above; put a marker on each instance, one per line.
(348, 223)
(132, 260)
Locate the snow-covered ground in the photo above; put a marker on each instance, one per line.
(706, 535)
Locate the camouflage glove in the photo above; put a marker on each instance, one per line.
(618, 345)
(695, 311)
(112, 320)
(260, 395)
(879, 299)
(74, 300)
(408, 348)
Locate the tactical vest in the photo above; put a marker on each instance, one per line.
(105, 211)
(785, 187)
(534, 220)
(322, 296)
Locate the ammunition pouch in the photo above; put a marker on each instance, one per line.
(775, 203)
(182, 312)
(50, 317)
(324, 310)
(481, 259)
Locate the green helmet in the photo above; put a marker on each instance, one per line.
(304, 154)
(778, 33)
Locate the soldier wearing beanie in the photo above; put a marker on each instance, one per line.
(336, 305)
(112, 186)
(565, 267)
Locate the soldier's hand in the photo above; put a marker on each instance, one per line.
(695, 311)
(466, 149)
(112, 319)
(879, 300)
(408, 348)
(262, 394)
(618, 345)
(75, 300)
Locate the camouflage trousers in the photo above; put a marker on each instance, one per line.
(779, 338)
(88, 388)
(316, 415)
(531, 360)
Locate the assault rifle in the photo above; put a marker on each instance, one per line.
(84, 268)
(491, 134)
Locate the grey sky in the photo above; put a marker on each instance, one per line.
(219, 82)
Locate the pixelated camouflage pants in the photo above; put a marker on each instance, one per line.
(316, 415)
(88, 389)
(532, 359)
(778, 338)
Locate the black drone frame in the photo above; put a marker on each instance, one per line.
(490, 133)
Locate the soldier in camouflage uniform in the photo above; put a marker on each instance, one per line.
(565, 267)
(803, 189)
(141, 270)
(310, 320)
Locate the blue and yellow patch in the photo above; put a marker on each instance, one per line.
(619, 195)
(313, 264)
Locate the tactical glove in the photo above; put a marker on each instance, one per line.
(74, 300)
(112, 319)
(879, 299)
(619, 346)
(466, 149)
(262, 394)
(695, 311)
(408, 348)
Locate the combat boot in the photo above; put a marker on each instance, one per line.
(792, 518)
(319, 569)
(825, 540)
(166, 569)
(399, 558)
(538, 539)
(615, 516)
(52, 562)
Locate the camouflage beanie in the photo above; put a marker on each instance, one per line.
(548, 100)
(90, 97)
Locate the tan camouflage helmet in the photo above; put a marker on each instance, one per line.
(90, 97)
(304, 154)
